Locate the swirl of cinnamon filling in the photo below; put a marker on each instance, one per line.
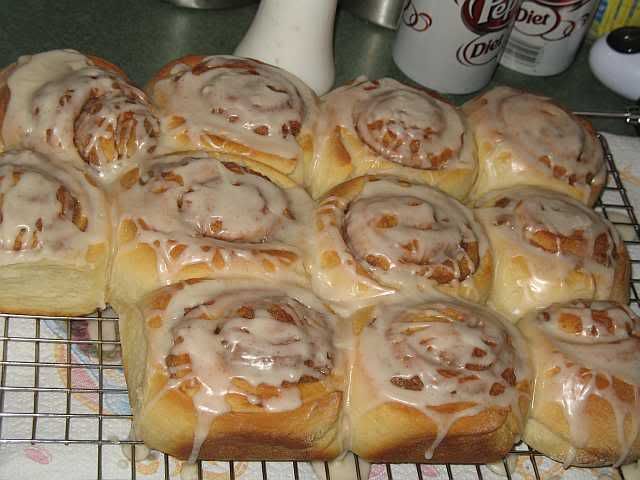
(78, 108)
(208, 198)
(407, 126)
(388, 235)
(519, 132)
(235, 346)
(223, 99)
(557, 226)
(44, 209)
(445, 359)
(409, 234)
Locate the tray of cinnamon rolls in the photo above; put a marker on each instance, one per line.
(376, 271)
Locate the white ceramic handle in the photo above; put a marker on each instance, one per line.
(296, 36)
(618, 71)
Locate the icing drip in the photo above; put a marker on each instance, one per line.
(197, 209)
(593, 348)
(64, 106)
(541, 134)
(446, 360)
(238, 99)
(46, 211)
(404, 236)
(401, 124)
(257, 344)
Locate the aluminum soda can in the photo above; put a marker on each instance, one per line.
(453, 46)
(547, 35)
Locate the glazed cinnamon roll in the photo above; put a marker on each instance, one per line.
(586, 408)
(526, 139)
(376, 236)
(236, 105)
(194, 215)
(54, 237)
(234, 370)
(437, 382)
(77, 108)
(383, 126)
(550, 248)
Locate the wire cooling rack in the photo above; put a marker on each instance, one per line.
(62, 387)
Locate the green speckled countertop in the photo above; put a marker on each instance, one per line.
(143, 35)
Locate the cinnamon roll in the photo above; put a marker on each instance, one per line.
(234, 370)
(526, 139)
(54, 237)
(77, 108)
(586, 408)
(437, 382)
(550, 248)
(198, 215)
(236, 105)
(383, 126)
(376, 236)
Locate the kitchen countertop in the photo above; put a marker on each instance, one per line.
(142, 35)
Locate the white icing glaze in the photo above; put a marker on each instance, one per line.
(540, 134)
(64, 106)
(432, 355)
(248, 102)
(212, 334)
(403, 237)
(342, 468)
(47, 210)
(402, 124)
(589, 347)
(216, 212)
(555, 236)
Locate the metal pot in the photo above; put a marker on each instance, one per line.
(212, 4)
(385, 13)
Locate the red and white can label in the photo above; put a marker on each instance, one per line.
(453, 46)
(547, 35)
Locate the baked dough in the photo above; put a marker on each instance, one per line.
(54, 237)
(381, 236)
(525, 139)
(586, 408)
(437, 382)
(77, 108)
(548, 248)
(200, 215)
(236, 105)
(386, 127)
(234, 370)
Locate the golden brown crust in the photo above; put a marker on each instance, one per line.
(580, 403)
(397, 433)
(310, 432)
(167, 419)
(547, 431)
(402, 430)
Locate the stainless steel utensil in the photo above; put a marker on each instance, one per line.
(385, 13)
(212, 4)
(630, 116)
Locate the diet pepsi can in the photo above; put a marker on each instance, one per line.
(453, 46)
(547, 35)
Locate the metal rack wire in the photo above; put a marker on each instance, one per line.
(61, 384)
